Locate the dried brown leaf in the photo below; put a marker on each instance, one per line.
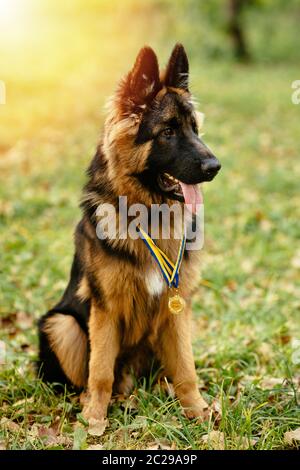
(245, 443)
(33, 432)
(266, 351)
(23, 401)
(2, 445)
(268, 383)
(47, 434)
(9, 425)
(24, 320)
(157, 445)
(291, 436)
(216, 407)
(215, 439)
(95, 447)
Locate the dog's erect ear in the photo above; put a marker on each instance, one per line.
(143, 81)
(177, 72)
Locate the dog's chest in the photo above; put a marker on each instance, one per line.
(154, 282)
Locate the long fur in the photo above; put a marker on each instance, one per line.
(113, 319)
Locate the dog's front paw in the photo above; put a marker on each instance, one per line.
(93, 412)
(95, 404)
(202, 414)
(97, 426)
(96, 419)
(200, 410)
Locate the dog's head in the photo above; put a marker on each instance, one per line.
(157, 117)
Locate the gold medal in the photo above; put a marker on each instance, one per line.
(176, 304)
(169, 270)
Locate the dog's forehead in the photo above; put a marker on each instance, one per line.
(173, 104)
(165, 108)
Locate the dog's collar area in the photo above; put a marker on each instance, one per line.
(169, 270)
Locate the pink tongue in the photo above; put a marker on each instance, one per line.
(192, 195)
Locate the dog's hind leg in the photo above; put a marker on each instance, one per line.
(125, 384)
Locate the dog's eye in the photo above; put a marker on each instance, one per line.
(168, 132)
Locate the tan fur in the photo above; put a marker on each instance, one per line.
(125, 385)
(127, 299)
(83, 291)
(175, 351)
(199, 119)
(127, 324)
(105, 344)
(70, 346)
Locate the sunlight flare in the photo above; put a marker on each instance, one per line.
(13, 14)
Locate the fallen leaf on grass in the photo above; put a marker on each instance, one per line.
(291, 436)
(23, 401)
(24, 320)
(2, 445)
(232, 285)
(216, 407)
(63, 441)
(215, 439)
(33, 432)
(8, 320)
(95, 447)
(8, 324)
(49, 435)
(270, 382)
(245, 443)
(9, 425)
(266, 351)
(97, 426)
(161, 446)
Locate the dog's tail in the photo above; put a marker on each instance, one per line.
(63, 337)
(63, 355)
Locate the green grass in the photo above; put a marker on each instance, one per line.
(246, 310)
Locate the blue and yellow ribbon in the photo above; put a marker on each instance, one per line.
(170, 271)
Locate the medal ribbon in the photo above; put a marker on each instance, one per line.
(170, 271)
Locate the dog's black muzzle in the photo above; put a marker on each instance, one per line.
(209, 168)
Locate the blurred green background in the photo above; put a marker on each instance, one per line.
(60, 61)
(56, 55)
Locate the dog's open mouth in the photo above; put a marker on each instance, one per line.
(169, 184)
(175, 189)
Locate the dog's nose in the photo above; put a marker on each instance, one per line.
(210, 167)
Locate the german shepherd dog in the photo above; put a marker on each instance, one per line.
(113, 320)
